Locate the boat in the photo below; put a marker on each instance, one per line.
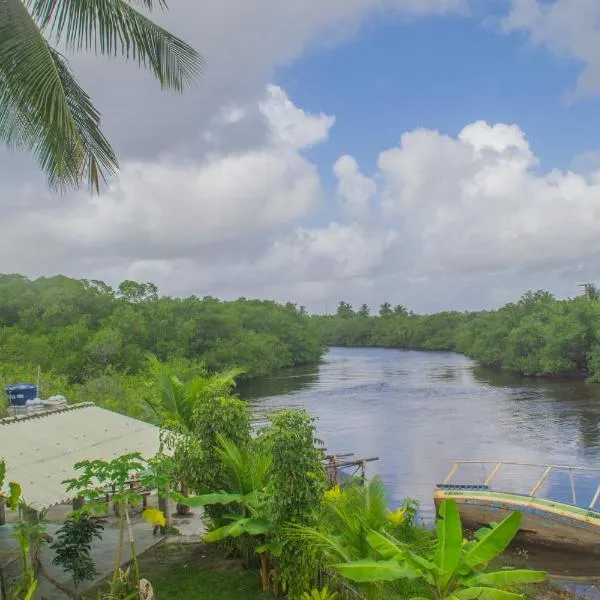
(570, 525)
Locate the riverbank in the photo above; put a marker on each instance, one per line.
(537, 335)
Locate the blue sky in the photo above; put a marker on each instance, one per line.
(441, 73)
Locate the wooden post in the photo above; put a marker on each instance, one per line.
(163, 505)
(78, 502)
(2, 512)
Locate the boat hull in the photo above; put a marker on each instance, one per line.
(544, 522)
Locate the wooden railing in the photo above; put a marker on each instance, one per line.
(498, 465)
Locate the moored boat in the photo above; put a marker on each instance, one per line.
(571, 525)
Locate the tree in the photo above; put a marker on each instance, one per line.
(132, 291)
(400, 311)
(44, 110)
(344, 310)
(364, 311)
(192, 415)
(385, 310)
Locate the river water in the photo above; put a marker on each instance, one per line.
(420, 411)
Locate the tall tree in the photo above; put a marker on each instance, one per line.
(44, 110)
(364, 311)
(344, 310)
(400, 311)
(385, 310)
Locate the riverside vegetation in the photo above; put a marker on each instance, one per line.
(92, 341)
(267, 503)
(537, 335)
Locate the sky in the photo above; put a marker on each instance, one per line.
(441, 154)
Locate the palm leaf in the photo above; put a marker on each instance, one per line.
(507, 577)
(114, 27)
(449, 540)
(42, 107)
(483, 593)
(250, 526)
(326, 543)
(494, 542)
(372, 571)
(386, 546)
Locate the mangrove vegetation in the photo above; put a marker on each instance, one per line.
(537, 335)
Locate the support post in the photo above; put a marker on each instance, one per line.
(572, 487)
(163, 505)
(492, 474)
(541, 480)
(2, 512)
(78, 502)
(452, 473)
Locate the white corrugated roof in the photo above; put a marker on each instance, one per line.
(40, 449)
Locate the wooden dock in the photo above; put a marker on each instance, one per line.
(341, 467)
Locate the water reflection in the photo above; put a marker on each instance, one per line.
(419, 411)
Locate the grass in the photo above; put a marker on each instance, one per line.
(199, 572)
(196, 572)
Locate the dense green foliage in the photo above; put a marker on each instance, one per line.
(297, 484)
(92, 342)
(538, 335)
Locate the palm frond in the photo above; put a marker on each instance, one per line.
(326, 543)
(114, 27)
(236, 463)
(42, 107)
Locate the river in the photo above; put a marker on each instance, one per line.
(419, 411)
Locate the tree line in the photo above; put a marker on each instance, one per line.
(92, 341)
(537, 335)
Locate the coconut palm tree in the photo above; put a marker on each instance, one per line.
(44, 110)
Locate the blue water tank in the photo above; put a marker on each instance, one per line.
(19, 393)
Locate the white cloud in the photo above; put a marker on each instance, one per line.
(217, 195)
(476, 203)
(354, 188)
(570, 28)
(162, 209)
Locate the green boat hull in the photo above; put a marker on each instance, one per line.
(545, 522)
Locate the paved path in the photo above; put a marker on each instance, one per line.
(103, 551)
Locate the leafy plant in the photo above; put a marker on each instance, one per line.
(192, 415)
(323, 594)
(246, 499)
(296, 486)
(73, 546)
(348, 517)
(99, 477)
(456, 571)
(28, 536)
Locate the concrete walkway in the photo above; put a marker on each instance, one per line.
(103, 552)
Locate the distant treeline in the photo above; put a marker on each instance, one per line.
(538, 335)
(92, 341)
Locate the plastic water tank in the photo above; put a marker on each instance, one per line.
(19, 393)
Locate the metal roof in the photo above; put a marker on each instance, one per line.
(40, 449)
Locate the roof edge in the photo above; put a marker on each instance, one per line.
(44, 413)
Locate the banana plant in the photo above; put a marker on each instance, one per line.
(456, 571)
